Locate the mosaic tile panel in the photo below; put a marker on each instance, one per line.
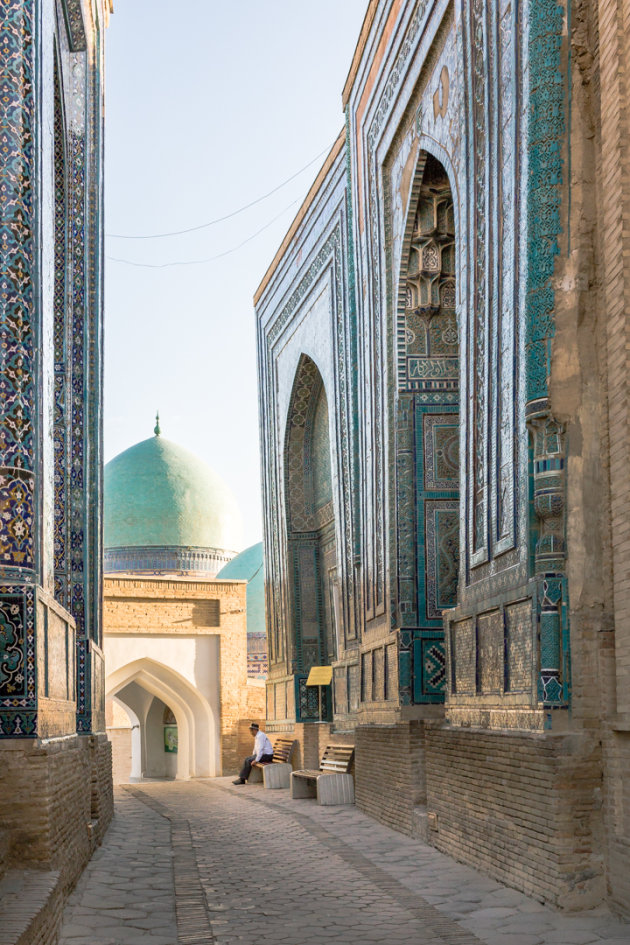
(298, 455)
(318, 453)
(442, 555)
(427, 433)
(374, 381)
(441, 452)
(406, 512)
(429, 657)
(481, 67)
(307, 605)
(310, 510)
(75, 25)
(18, 702)
(507, 30)
(519, 637)
(61, 363)
(17, 339)
(421, 667)
(308, 701)
(490, 653)
(546, 130)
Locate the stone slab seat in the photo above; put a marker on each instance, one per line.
(275, 774)
(332, 783)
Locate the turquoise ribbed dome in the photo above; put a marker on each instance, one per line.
(159, 494)
(249, 566)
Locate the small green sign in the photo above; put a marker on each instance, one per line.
(170, 738)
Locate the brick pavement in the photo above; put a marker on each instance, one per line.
(206, 862)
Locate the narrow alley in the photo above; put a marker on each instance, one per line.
(204, 861)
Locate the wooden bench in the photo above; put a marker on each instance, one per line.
(332, 783)
(275, 774)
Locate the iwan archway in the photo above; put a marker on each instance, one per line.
(312, 538)
(150, 692)
(427, 433)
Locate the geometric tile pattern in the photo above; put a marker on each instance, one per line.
(441, 530)
(18, 704)
(17, 340)
(421, 667)
(428, 429)
(62, 363)
(73, 472)
(74, 22)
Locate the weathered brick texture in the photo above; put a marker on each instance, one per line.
(389, 772)
(71, 778)
(522, 807)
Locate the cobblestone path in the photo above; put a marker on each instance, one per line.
(200, 862)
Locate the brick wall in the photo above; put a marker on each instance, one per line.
(614, 192)
(389, 772)
(521, 807)
(617, 815)
(71, 779)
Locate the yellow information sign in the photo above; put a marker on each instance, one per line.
(320, 676)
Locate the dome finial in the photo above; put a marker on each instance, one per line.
(156, 428)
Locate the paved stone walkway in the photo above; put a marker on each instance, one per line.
(200, 862)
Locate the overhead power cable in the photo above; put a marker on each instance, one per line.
(200, 262)
(228, 216)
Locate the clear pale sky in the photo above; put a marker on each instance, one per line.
(209, 105)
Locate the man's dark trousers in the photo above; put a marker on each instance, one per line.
(247, 765)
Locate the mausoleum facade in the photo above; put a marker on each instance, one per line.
(55, 761)
(442, 364)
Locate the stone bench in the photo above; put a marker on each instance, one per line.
(332, 783)
(275, 774)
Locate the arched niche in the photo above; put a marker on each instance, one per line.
(311, 533)
(198, 742)
(427, 431)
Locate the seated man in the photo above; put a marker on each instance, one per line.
(263, 751)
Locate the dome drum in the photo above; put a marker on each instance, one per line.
(149, 559)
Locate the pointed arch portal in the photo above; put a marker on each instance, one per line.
(198, 736)
(312, 537)
(427, 432)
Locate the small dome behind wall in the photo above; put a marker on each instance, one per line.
(249, 566)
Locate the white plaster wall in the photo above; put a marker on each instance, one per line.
(190, 687)
(196, 658)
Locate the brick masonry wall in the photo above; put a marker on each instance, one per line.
(139, 607)
(389, 772)
(521, 807)
(617, 815)
(71, 779)
(614, 224)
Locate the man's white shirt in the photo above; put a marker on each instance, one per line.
(262, 746)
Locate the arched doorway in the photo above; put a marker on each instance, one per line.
(160, 699)
(427, 432)
(312, 540)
